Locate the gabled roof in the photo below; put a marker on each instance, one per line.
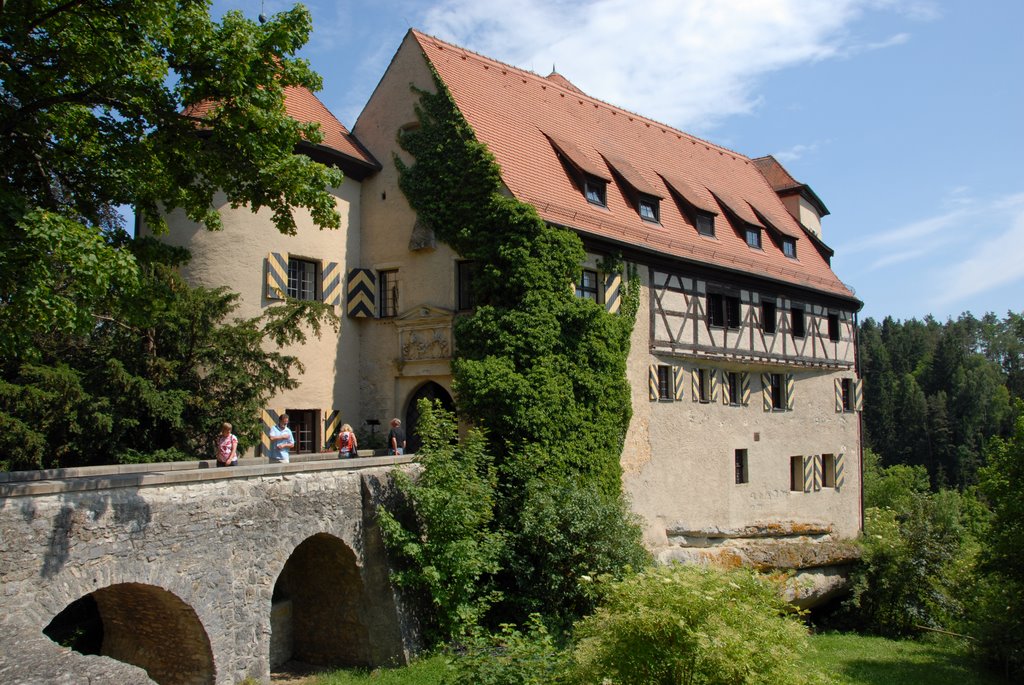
(529, 121)
(305, 107)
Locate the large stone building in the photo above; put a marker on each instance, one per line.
(743, 370)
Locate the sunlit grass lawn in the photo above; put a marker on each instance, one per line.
(850, 659)
(856, 659)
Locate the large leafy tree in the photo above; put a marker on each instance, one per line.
(95, 97)
(105, 355)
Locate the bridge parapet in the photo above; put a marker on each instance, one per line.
(177, 561)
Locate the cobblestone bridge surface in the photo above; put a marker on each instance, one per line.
(184, 573)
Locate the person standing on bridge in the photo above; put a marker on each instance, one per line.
(347, 443)
(396, 438)
(227, 446)
(281, 440)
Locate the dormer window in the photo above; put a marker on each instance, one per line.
(706, 224)
(648, 208)
(594, 191)
(754, 237)
(789, 247)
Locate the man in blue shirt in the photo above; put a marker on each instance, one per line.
(281, 441)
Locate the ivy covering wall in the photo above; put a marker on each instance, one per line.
(541, 370)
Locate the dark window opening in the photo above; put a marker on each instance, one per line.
(789, 247)
(768, 316)
(732, 385)
(723, 310)
(466, 273)
(706, 224)
(778, 391)
(833, 327)
(304, 424)
(587, 287)
(388, 293)
(648, 208)
(594, 190)
(742, 475)
(754, 237)
(847, 387)
(797, 314)
(665, 389)
(704, 385)
(303, 279)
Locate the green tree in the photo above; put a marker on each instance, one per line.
(999, 620)
(447, 549)
(94, 113)
(105, 356)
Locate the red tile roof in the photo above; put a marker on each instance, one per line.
(303, 106)
(784, 184)
(526, 120)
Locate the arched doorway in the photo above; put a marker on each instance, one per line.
(316, 613)
(142, 625)
(431, 391)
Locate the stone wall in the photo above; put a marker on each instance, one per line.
(183, 567)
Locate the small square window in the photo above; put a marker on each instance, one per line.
(587, 287)
(833, 327)
(594, 191)
(796, 474)
(828, 470)
(754, 237)
(742, 474)
(732, 312)
(789, 247)
(303, 278)
(665, 389)
(706, 225)
(648, 208)
(723, 310)
(768, 316)
(797, 316)
(388, 281)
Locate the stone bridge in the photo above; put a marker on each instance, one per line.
(184, 573)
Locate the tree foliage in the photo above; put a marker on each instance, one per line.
(935, 394)
(105, 355)
(447, 549)
(153, 379)
(543, 371)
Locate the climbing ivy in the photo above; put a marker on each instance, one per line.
(544, 371)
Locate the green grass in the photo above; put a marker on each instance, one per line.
(426, 671)
(860, 660)
(849, 658)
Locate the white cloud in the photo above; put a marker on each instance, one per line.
(689, 64)
(911, 234)
(794, 153)
(993, 264)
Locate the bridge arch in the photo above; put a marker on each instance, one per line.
(430, 390)
(318, 612)
(139, 624)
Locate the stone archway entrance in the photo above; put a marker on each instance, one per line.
(316, 613)
(431, 391)
(142, 625)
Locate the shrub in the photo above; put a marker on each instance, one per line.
(694, 625)
(509, 657)
(447, 551)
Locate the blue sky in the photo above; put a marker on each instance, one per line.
(906, 117)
